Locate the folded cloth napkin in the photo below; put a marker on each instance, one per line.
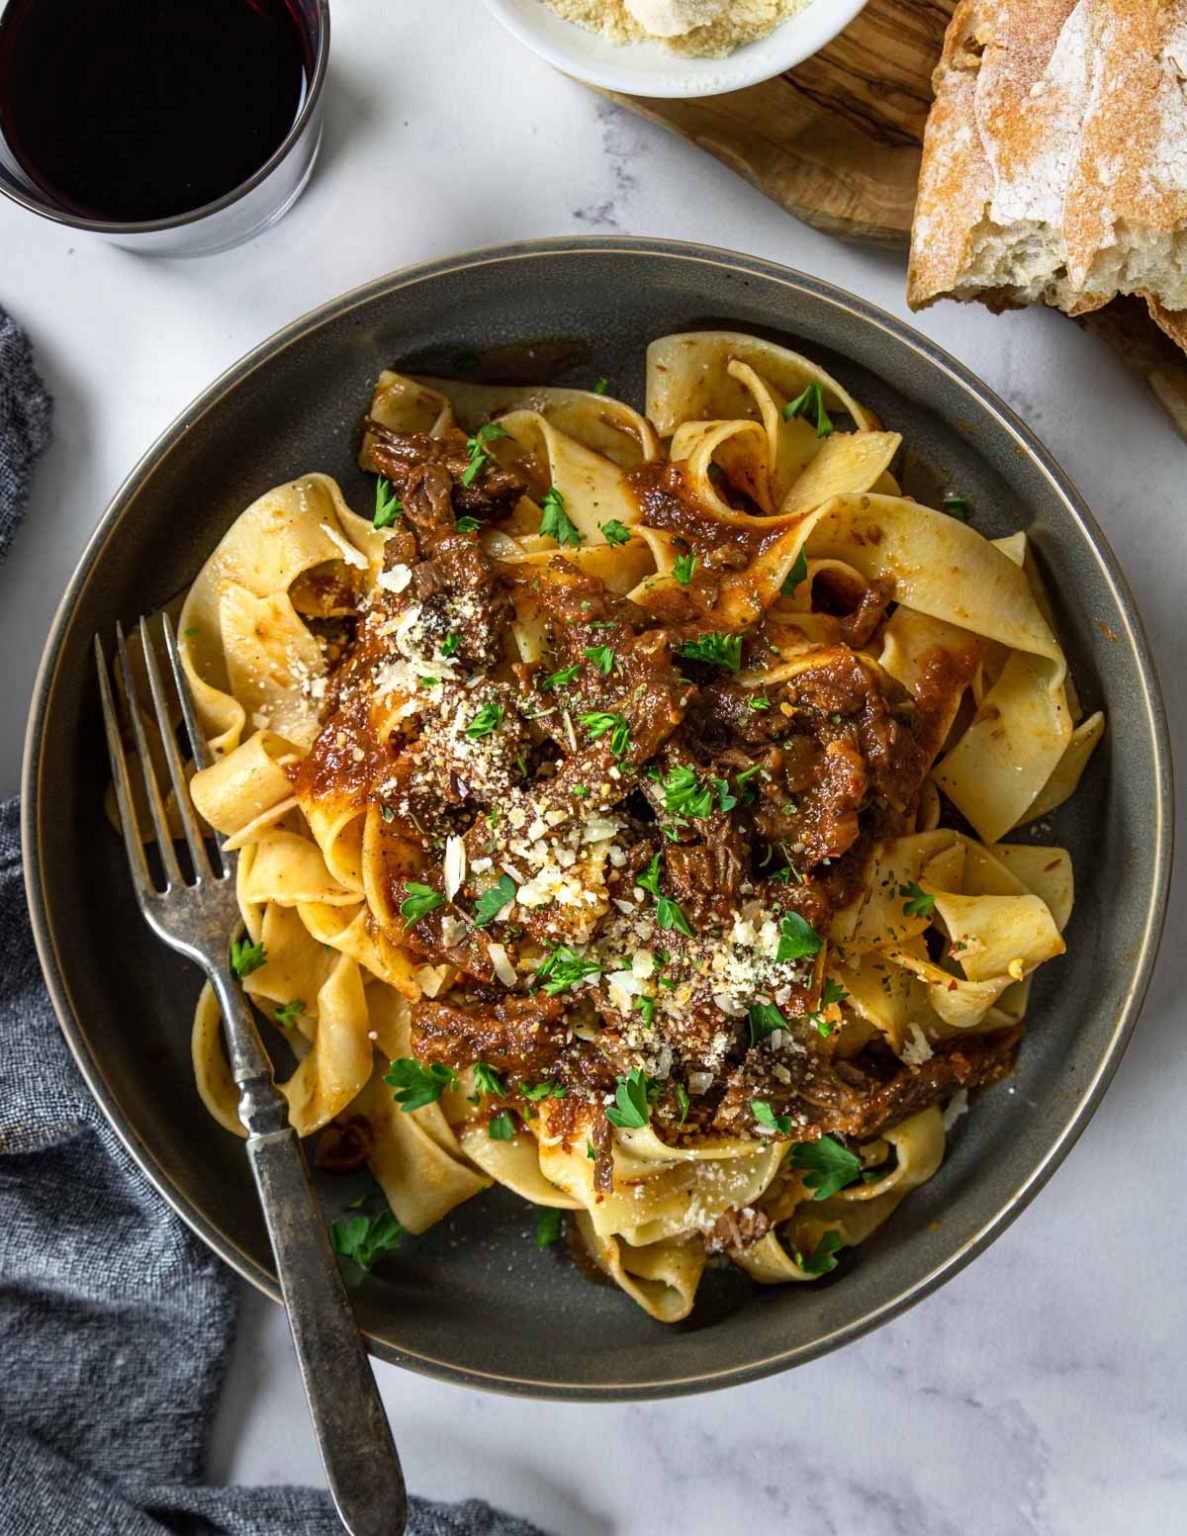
(115, 1321)
(25, 411)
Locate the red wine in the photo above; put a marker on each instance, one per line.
(129, 110)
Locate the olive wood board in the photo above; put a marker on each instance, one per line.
(837, 142)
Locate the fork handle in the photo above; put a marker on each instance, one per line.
(353, 1435)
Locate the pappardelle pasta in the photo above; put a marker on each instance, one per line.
(620, 809)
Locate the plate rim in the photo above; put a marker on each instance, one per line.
(1059, 483)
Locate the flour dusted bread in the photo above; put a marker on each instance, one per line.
(1055, 158)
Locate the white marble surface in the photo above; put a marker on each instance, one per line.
(1045, 1389)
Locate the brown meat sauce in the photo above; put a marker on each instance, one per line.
(833, 762)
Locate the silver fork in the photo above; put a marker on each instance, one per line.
(197, 917)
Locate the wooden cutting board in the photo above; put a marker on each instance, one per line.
(838, 141)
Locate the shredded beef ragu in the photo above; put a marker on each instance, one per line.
(798, 792)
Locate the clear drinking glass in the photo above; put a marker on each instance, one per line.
(256, 202)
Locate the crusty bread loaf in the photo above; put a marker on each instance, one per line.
(1055, 158)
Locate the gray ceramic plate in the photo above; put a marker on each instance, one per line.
(473, 1300)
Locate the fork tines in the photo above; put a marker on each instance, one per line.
(162, 717)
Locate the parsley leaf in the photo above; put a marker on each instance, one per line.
(489, 718)
(758, 701)
(602, 657)
(797, 574)
(682, 1100)
(765, 1116)
(478, 454)
(684, 567)
(288, 1013)
(833, 993)
(685, 795)
(420, 901)
(715, 650)
(492, 902)
(957, 507)
(388, 505)
(599, 721)
(632, 1107)
(810, 405)
(562, 678)
(824, 1256)
(601, 386)
(668, 915)
(366, 1239)
(827, 1165)
(564, 968)
(486, 1079)
(545, 1090)
(726, 799)
(451, 645)
(548, 1227)
(500, 1127)
(555, 522)
(649, 879)
(615, 532)
(798, 940)
(246, 957)
(919, 903)
(468, 525)
(646, 1006)
(417, 1085)
(764, 1019)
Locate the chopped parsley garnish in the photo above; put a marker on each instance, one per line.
(417, 1085)
(246, 957)
(685, 794)
(478, 454)
(564, 968)
(765, 1116)
(468, 525)
(615, 532)
(563, 678)
(486, 1079)
(646, 1006)
(492, 902)
(827, 1166)
(581, 791)
(957, 507)
(451, 645)
(288, 1013)
(684, 567)
(824, 1256)
(726, 799)
(366, 1239)
(798, 940)
(833, 993)
(810, 405)
(500, 1127)
(387, 813)
(667, 912)
(489, 718)
(555, 522)
(919, 903)
(601, 386)
(797, 574)
(764, 1019)
(632, 1103)
(544, 1090)
(682, 1100)
(420, 901)
(388, 505)
(715, 650)
(758, 701)
(548, 1227)
(599, 721)
(602, 657)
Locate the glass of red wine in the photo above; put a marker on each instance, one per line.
(175, 127)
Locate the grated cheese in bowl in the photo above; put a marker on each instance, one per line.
(702, 28)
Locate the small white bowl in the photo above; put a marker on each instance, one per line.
(652, 69)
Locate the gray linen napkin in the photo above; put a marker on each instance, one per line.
(115, 1320)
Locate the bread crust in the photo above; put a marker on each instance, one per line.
(1055, 157)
